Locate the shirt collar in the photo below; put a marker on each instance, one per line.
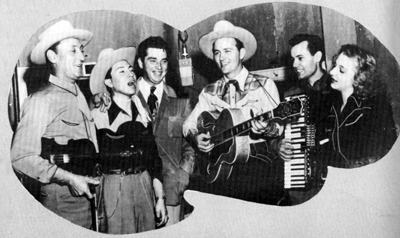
(123, 102)
(241, 77)
(114, 110)
(319, 85)
(144, 88)
(70, 87)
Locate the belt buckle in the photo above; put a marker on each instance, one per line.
(137, 171)
(131, 171)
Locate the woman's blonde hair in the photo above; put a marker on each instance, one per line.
(366, 79)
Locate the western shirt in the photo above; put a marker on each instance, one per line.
(118, 130)
(58, 112)
(259, 94)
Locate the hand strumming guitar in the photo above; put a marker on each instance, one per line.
(203, 142)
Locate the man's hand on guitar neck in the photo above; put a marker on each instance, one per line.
(78, 185)
(203, 142)
(268, 128)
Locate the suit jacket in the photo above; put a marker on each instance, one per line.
(177, 155)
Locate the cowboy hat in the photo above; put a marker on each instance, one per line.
(107, 58)
(55, 33)
(225, 29)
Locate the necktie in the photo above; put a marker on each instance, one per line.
(232, 95)
(152, 101)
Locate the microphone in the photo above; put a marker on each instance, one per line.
(185, 70)
(185, 63)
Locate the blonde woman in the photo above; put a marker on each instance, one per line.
(361, 121)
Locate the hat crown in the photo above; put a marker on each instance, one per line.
(55, 29)
(225, 29)
(60, 30)
(107, 58)
(222, 25)
(105, 52)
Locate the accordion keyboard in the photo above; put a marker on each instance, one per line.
(301, 133)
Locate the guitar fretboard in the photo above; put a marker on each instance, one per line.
(238, 130)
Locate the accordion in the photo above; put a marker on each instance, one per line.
(298, 172)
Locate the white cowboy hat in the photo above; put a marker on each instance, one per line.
(55, 33)
(225, 29)
(107, 58)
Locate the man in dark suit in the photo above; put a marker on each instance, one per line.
(166, 112)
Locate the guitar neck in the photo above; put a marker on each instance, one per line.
(68, 158)
(239, 129)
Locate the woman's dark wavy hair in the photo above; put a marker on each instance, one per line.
(366, 79)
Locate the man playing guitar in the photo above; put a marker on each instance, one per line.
(254, 178)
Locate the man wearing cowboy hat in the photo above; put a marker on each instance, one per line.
(52, 120)
(127, 187)
(229, 46)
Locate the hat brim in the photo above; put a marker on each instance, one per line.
(38, 53)
(101, 68)
(249, 41)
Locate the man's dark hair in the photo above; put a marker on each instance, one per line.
(108, 74)
(315, 44)
(239, 44)
(152, 42)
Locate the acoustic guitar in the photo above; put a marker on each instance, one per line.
(230, 135)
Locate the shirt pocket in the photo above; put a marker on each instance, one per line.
(70, 123)
(217, 106)
(175, 126)
(249, 103)
(115, 137)
(71, 118)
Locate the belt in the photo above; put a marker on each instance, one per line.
(137, 170)
(83, 169)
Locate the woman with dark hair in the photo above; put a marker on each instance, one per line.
(131, 195)
(361, 124)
